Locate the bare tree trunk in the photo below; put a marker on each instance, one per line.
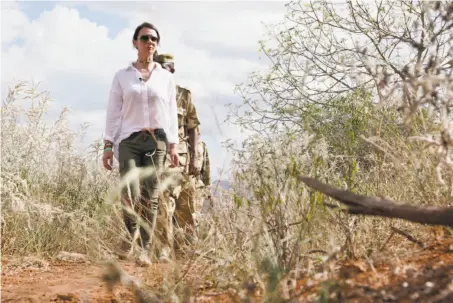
(374, 206)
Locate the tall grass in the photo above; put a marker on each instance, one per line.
(267, 228)
(52, 191)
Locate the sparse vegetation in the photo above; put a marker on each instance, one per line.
(360, 99)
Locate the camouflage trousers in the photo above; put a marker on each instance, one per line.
(143, 149)
(187, 197)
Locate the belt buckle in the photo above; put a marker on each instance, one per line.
(151, 131)
(147, 130)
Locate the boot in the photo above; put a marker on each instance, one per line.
(125, 247)
(146, 240)
(143, 259)
(165, 255)
(145, 243)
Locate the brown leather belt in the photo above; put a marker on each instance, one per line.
(151, 131)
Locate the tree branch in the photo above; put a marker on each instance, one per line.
(374, 206)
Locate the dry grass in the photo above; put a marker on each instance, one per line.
(52, 191)
(58, 198)
(265, 232)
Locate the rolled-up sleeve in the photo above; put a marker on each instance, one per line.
(172, 137)
(113, 119)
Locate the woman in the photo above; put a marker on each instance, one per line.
(142, 124)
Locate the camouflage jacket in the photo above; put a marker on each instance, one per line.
(187, 117)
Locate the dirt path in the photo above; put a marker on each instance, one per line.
(425, 275)
(61, 281)
(35, 280)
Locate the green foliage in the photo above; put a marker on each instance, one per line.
(334, 146)
(273, 274)
(340, 103)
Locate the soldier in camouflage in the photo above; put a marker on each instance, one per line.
(187, 194)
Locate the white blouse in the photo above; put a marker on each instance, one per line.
(135, 104)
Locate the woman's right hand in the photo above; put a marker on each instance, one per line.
(174, 159)
(108, 159)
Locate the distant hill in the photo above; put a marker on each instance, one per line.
(225, 184)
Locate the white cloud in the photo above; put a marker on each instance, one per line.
(15, 21)
(215, 47)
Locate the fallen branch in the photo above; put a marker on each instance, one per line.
(374, 206)
(408, 236)
(387, 241)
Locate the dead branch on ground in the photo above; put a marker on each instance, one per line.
(375, 206)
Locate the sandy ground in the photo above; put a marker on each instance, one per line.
(425, 275)
(38, 280)
(63, 281)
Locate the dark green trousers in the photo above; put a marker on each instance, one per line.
(144, 150)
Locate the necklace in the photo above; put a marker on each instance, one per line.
(144, 67)
(148, 60)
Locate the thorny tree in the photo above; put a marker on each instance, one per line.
(399, 50)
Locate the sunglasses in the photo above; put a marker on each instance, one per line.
(146, 38)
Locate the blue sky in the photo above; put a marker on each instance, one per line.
(74, 48)
(112, 21)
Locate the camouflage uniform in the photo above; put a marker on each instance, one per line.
(203, 194)
(191, 196)
(184, 198)
(181, 197)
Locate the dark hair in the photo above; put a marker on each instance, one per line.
(147, 25)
